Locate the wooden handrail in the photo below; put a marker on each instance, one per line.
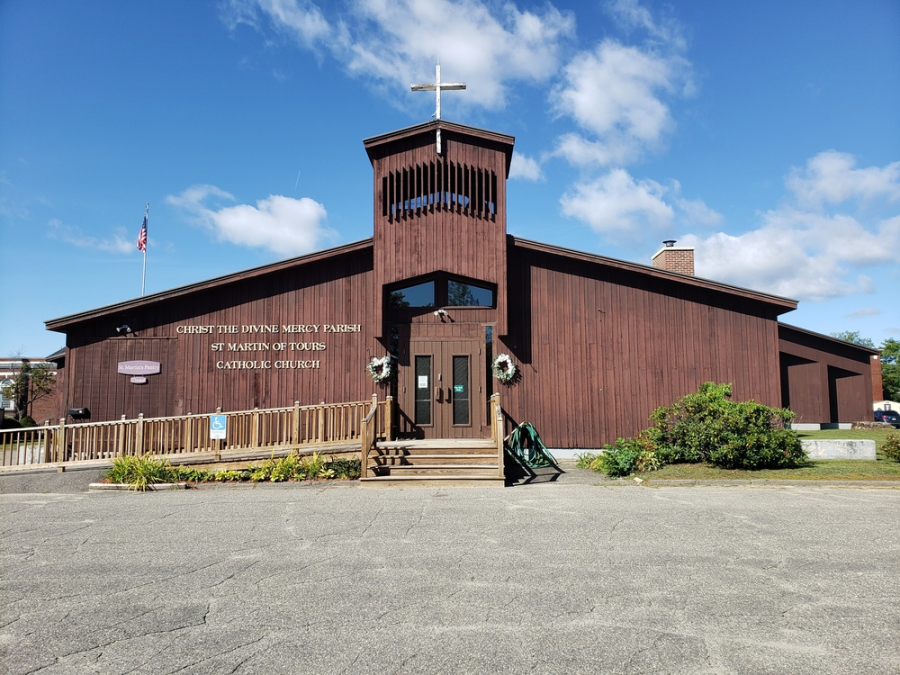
(497, 432)
(369, 426)
(274, 428)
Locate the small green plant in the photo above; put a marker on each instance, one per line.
(585, 460)
(188, 475)
(232, 475)
(626, 456)
(315, 466)
(345, 469)
(891, 447)
(140, 472)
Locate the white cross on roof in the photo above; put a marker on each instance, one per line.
(436, 88)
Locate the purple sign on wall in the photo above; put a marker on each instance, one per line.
(138, 367)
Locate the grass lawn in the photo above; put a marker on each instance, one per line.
(822, 469)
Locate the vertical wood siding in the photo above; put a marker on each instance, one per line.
(334, 291)
(824, 381)
(600, 348)
(416, 234)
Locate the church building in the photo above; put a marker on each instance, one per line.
(588, 345)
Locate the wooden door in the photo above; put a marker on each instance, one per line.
(442, 389)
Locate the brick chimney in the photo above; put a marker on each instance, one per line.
(674, 258)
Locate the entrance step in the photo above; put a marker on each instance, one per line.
(432, 481)
(440, 461)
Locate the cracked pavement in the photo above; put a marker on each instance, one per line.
(565, 577)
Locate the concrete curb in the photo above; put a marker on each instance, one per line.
(152, 487)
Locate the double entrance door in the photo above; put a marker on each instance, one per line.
(442, 388)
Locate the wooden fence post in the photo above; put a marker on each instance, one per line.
(48, 442)
(364, 448)
(295, 424)
(375, 418)
(321, 437)
(254, 430)
(186, 433)
(389, 418)
(121, 433)
(60, 440)
(139, 436)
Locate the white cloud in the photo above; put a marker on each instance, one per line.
(618, 93)
(302, 20)
(664, 31)
(523, 167)
(580, 151)
(696, 212)
(617, 204)
(118, 242)
(803, 251)
(864, 312)
(489, 46)
(831, 177)
(281, 224)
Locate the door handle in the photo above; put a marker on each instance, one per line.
(438, 394)
(449, 394)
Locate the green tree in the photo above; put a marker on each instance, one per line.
(854, 337)
(27, 384)
(890, 369)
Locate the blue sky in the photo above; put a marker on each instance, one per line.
(766, 134)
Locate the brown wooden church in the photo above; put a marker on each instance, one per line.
(441, 287)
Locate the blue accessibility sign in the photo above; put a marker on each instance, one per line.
(218, 426)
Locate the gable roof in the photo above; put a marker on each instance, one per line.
(777, 301)
(61, 323)
(795, 334)
(781, 304)
(376, 145)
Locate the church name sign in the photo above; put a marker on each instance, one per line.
(290, 347)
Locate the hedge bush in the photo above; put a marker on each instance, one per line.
(891, 447)
(628, 455)
(709, 427)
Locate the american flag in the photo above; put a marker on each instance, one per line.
(142, 237)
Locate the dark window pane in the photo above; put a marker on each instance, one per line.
(461, 390)
(460, 294)
(423, 390)
(420, 295)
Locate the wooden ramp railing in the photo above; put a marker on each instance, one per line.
(268, 429)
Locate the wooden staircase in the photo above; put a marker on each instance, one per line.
(433, 463)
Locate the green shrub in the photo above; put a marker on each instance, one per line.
(10, 423)
(316, 466)
(345, 469)
(628, 455)
(294, 467)
(708, 427)
(891, 447)
(587, 460)
(27, 421)
(139, 472)
(232, 475)
(189, 475)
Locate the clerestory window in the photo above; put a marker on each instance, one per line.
(442, 291)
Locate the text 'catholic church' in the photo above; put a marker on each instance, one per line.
(597, 343)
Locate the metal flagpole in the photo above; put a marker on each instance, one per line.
(142, 244)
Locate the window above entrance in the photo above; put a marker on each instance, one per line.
(442, 291)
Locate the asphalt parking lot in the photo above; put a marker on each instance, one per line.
(566, 577)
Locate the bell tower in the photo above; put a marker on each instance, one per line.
(440, 209)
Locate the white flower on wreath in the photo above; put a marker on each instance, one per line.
(504, 368)
(379, 369)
